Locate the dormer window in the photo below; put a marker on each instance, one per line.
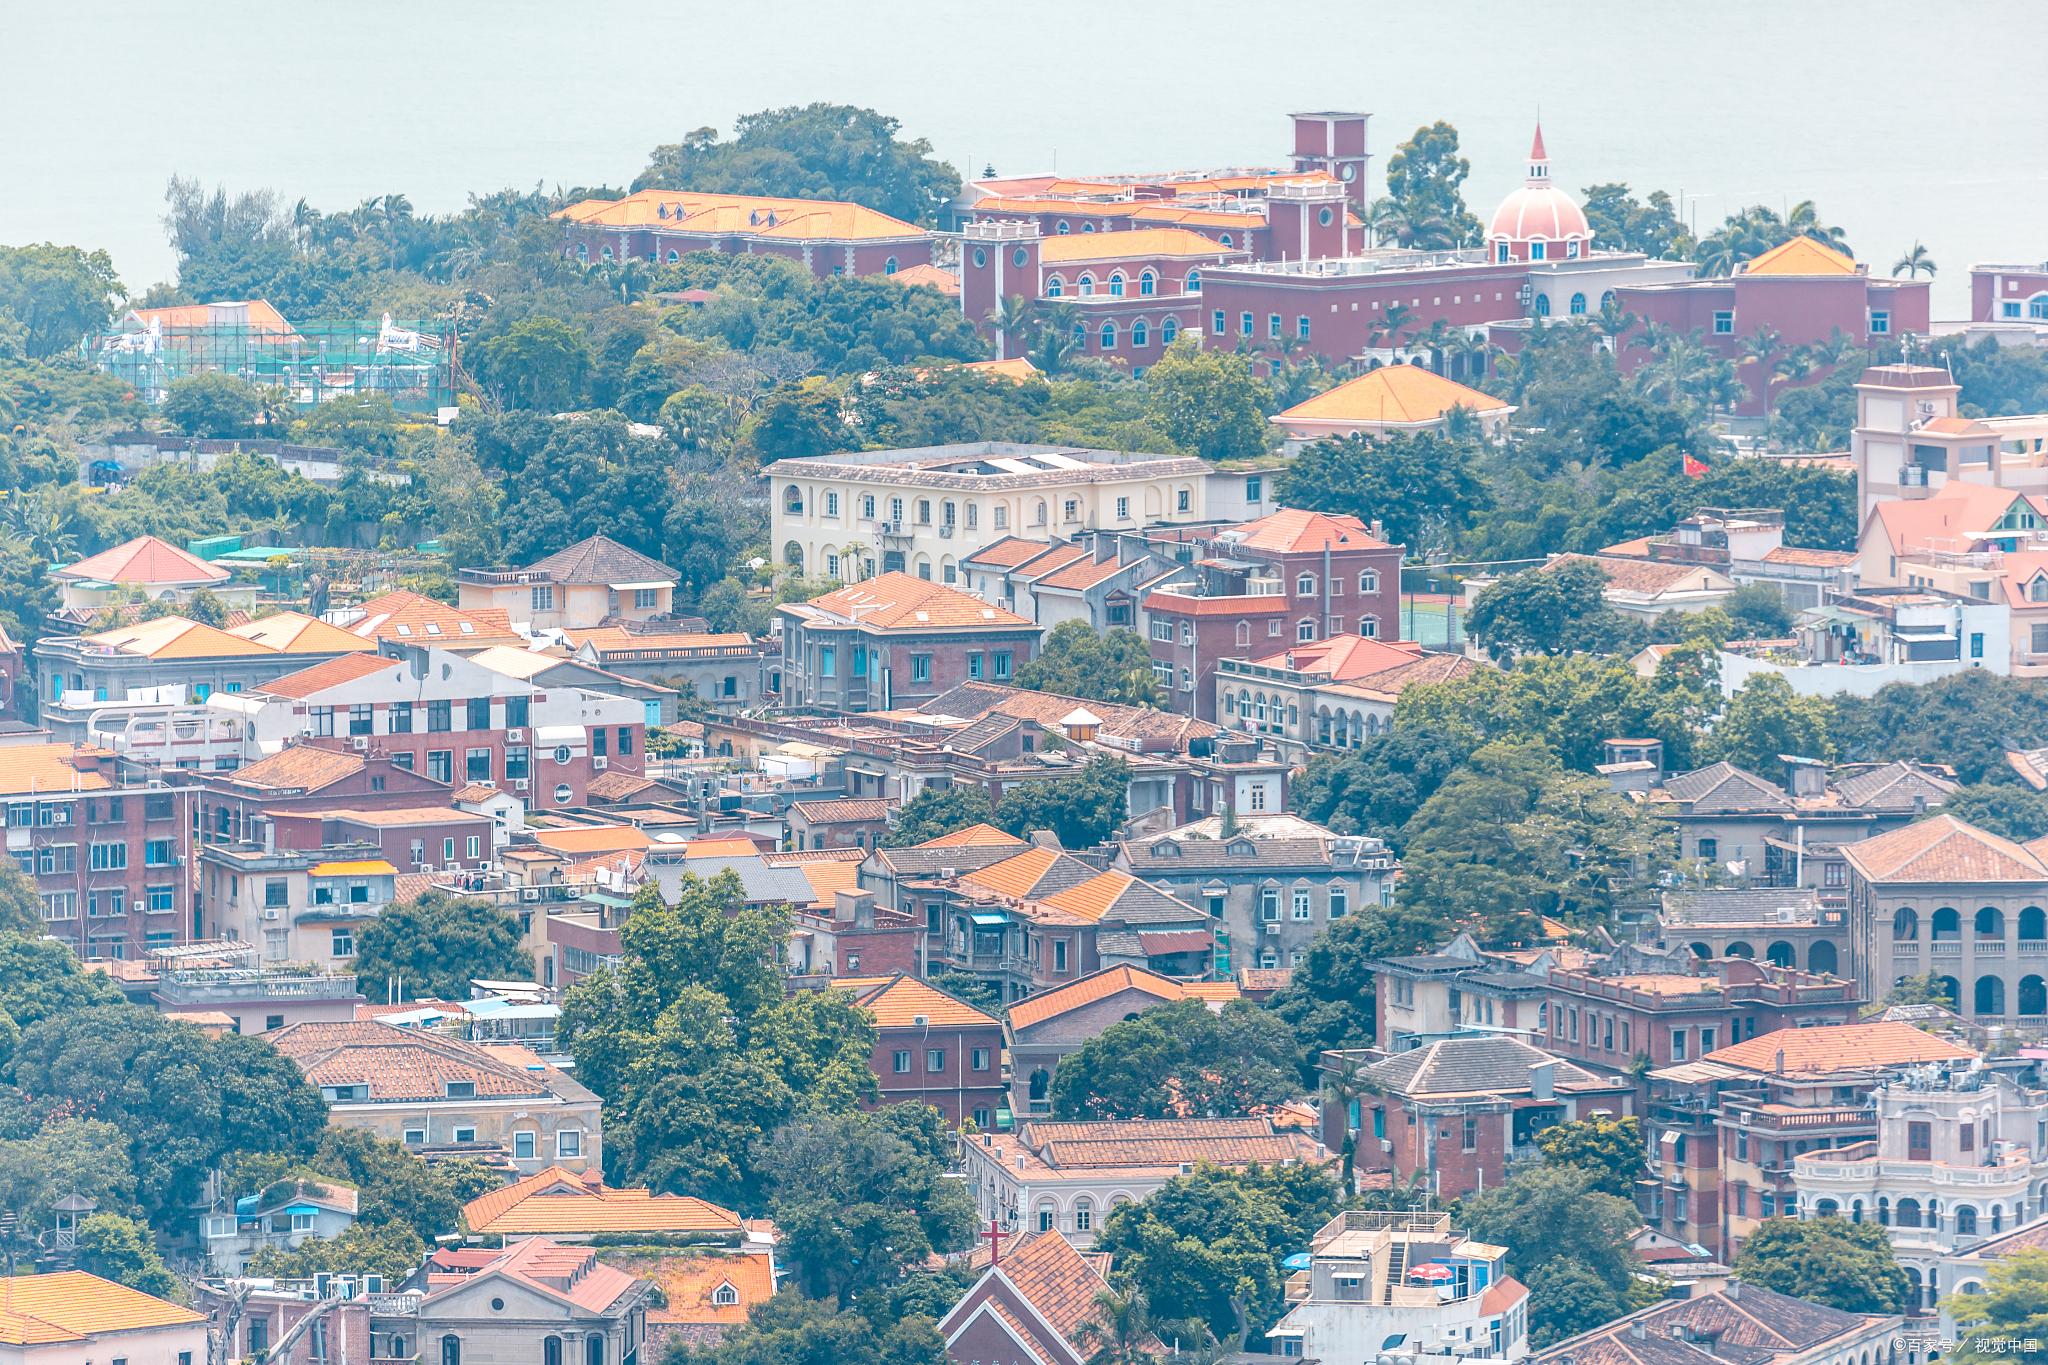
(1166, 849)
(459, 1090)
(725, 1296)
(1243, 848)
(2037, 591)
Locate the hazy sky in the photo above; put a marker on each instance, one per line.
(1892, 115)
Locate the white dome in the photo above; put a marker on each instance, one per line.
(1538, 211)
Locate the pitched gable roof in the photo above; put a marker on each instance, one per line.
(310, 682)
(72, 1305)
(401, 1064)
(1474, 1065)
(1895, 786)
(1041, 1291)
(1724, 787)
(1101, 985)
(293, 632)
(175, 637)
(1943, 848)
(1825, 1049)
(898, 601)
(1801, 256)
(972, 836)
(1397, 395)
(1294, 530)
(422, 620)
(560, 1202)
(146, 561)
(1744, 1322)
(900, 1001)
(1946, 521)
(296, 767)
(600, 559)
(1007, 553)
(567, 1274)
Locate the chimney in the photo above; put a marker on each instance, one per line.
(1734, 1289)
(1637, 1330)
(1779, 1068)
(1020, 1161)
(856, 906)
(1543, 1079)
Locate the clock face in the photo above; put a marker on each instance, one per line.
(1349, 172)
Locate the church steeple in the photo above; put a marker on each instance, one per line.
(1539, 160)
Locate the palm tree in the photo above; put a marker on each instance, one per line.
(629, 277)
(1056, 339)
(1760, 348)
(1805, 221)
(1398, 318)
(1384, 220)
(1120, 1332)
(1613, 319)
(1342, 1087)
(1437, 342)
(1913, 263)
(1010, 317)
(1470, 350)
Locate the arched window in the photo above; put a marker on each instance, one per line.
(1990, 922)
(1224, 240)
(1194, 284)
(1108, 336)
(1305, 630)
(1741, 949)
(551, 1351)
(1907, 1214)
(2033, 925)
(2037, 306)
(1369, 627)
(1990, 995)
(1087, 227)
(593, 1349)
(1168, 330)
(1055, 286)
(1578, 305)
(1141, 335)
(1884, 1212)
(1780, 954)
(1822, 958)
(1084, 1214)
(1148, 284)
(451, 1350)
(1947, 926)
(793, 499)
(583, 252)
(1905, 925)
(1087, 285)
(1040, 1084)
(889, 266)
(1244, 633)
(1369, 581)
(1826, 1208)
(674, 255)
(1966, 1221)
(793, 556)
(1305, 585)
(607, 253)
(1542, 302)
(2033, 994)
(1116, 284)
(1060, 228)
(1952, 989)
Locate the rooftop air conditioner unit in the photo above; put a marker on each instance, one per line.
(529, 893)
(600, 763)
(272, 914)
(520, 784)
(360, 743)
(919, 1020)
(426, 867)
(515, 736)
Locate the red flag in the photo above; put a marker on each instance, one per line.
(1695, 469)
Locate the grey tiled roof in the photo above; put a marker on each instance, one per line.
(1740, 906)
(1468, 1065)
(1743, 1324)
(1894, 787)
(761, 882)
(600, 559)
(1272, 855)
(1725, 787)
(929, 862)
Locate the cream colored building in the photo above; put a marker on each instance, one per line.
(854, 514)
(73, 1318)
(592, 583)
(1910, 442)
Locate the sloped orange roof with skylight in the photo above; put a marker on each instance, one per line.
(896, 601)
(743, 215)
(1802, 256)
(144, 560)
(174, 637)
(297, 633)
(1400, 395)
(900, 1001)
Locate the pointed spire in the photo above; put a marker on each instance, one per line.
(1539, 159)
(1536, 152)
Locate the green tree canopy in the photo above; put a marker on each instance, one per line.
(1329, 1001)
(1834, 1261)
(59, 294)
(1622, 222)
(1112, 666)
(21, 908)
(792, 1329)
(813, 151)
(212, 404)
(860, 1199)
(2013, 1305)
(1209, 402)
(937, 811)
(66, 1156)
(1207, 1247)
(392, 1250)
(1082, 808)
(541, 363)
(1566, 1240)
(1180, 1059)
(395, 1186)
(1423, 488)
(41, 978)
(1966, 719)
(1556, 609)
(2007, 809)
(1425, 181)
(1608, 1149)
(696, 1049)
(120, 1249)
(433, 947)
(1765, 719)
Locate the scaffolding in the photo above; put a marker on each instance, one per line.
(409, 363)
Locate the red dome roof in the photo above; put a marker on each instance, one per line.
(1538, 211)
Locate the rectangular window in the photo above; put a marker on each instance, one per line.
(1706, 1041)
(569, 1142)
(440, 717)
(1301, 327)
(935, 1060)
(1254, 489)
(1244, 323)
(342, 942)
(1219, 326)
(1880, 323)
(415, 1137)
(543, 598)
(522, 1146)
(323, 721)
(465, 1135)
(899, 1061)
(1273, 326)
(109, 857)
(157, 852)
(977, 1060)
(1123, 509)
(277, 893)
(1724, 322)
(476, 846)
(1469, 1142)
(400, 717)
(441, 765)
(476, 765)
(161, 899)
(1919, 1141)
(359, 718)
(867, 506)
(1059, 954)
(1302, 908)
(974, 667)
(920, 668)
(1678, 1045)
(1340, 901)
(518, 762)
(517, 711)
(479, 717)
(600, 742)
(828, 661)
(831, 508)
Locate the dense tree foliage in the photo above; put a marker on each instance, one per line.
(1552, 610)
(1425, 188)
(1207, 1247)
(2007, 809)
(1834, 1261)
(2013, 1306)
(937, 811)
(58, 294)
(791, 1329)
(119, 1249)
(697, 1050)
(1610, 1150)
(396, 1186)
(1082, 808)
(1424, 489)
(1567, 1241)
(1622, 222)
(1078, 661)
(1180, 1060)
(1766, 719)
(1329, 1000)
(1209, 403)
(1966, 719)
(434, 946)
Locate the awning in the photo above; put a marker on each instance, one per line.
(559, 734)
(641, 587)
(306, 1209)
(990, 918)
(374, 867)
(1167, 941)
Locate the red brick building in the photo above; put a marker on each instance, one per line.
(1284, 579)
(659, 226)
(932, 1048)
(111, 858)
(896, 641)
(1029, 1307)
(1610, 1021)
(1803, 291)
(240, 806)
(1459, 1111)
(839, 824)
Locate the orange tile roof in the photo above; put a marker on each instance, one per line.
(691, 1283)
(605, 639)
(899, 1001)
(1294, 530)
(743, 215)
(558, 1202)
(1826, 1049)
(1801, 256)
(828, 878)
(972, 835)
(45, 768)
(1092, 899)
(328, 673)
(1945, 521)
(597, 839)
(721, 846)
(1018, 368)
(1342, 658)
(1084, 573)
(1943, 848)
(262, 315)
(1054, 1278)
(304, 766)
(297, 633)
(1036, 1009)
(174, 637)
(1136, 244)
(422, 620)
(929, 277)
(399, 1063)
(144, 560)
(897, 601)
(72, 1305)
(1017, 875)
(572, 1274)
(1008, 553)
(1396, 395)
